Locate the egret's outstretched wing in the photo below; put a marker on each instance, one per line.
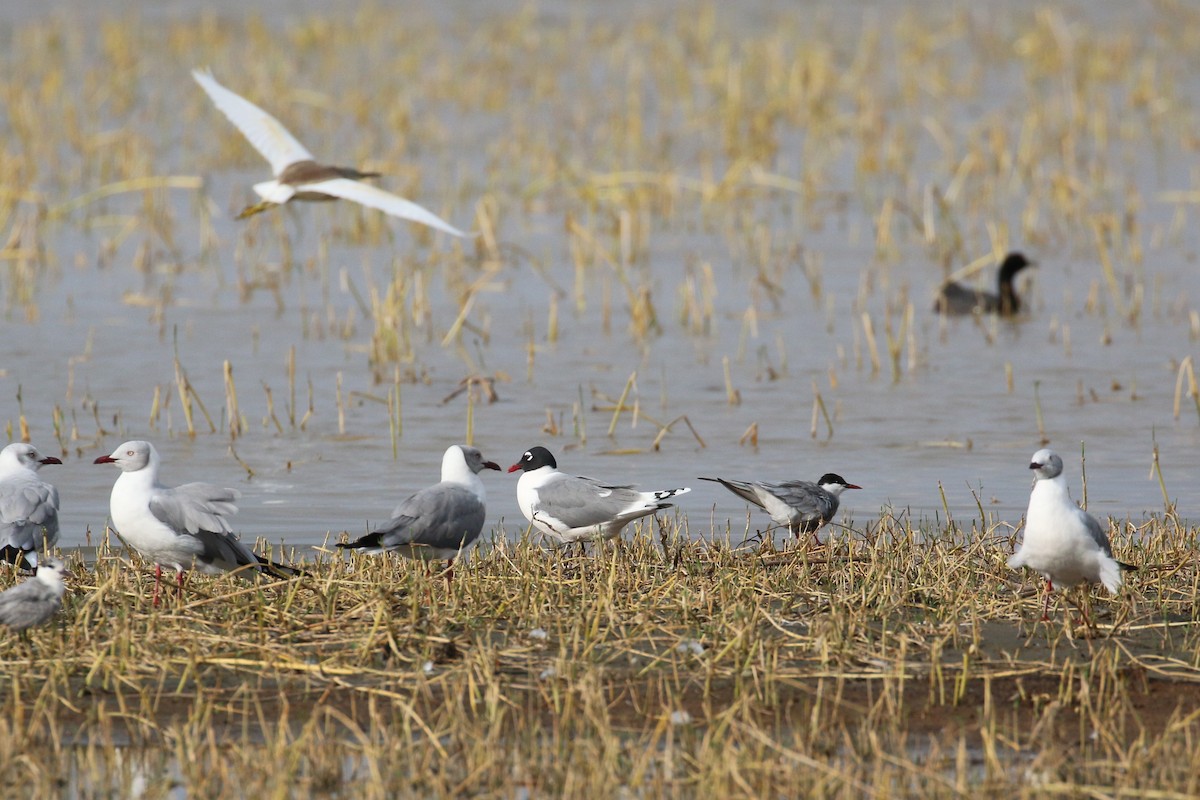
(376, 198)
(266, 133)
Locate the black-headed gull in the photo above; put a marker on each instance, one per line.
(800, 506)
(28, 505)
(297, 175)
(569, 509)
(1062, 541)
(955, 299)
(36, 600)
(440, 521)
(185, 527)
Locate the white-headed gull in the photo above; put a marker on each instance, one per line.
(440, 521)
(28, 505)
(569, 509)
(36, 600)
(1062, 541)
(297, 175)
(184, 527)
(956, 299)
(800, 506)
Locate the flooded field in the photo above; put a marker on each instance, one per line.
(708, 244)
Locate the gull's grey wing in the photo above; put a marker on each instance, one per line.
(27, 604)
(195, 507)
(34, 501)
(1097, 533)
(581, 502)
(225, 551)
(444, 516)
(28, 512)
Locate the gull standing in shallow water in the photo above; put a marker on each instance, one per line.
(36, 600)
(575, 509)
(185, 527)
(1062, 541)
(956, 299)
(297, 175)
(28, 505)
(800, 506)
(441, 521)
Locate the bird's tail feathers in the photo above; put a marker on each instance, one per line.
(16, 556)
(1110, 574)
(280, 571)
(371, 542)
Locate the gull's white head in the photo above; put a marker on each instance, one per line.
(131, 456)
(461, 461)
(1046, 464)
(20, 454)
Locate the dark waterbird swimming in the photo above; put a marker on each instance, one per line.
(955, 299)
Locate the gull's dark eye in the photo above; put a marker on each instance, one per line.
(128, 452)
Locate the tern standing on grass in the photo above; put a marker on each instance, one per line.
(570, 509)
(800, 506)
(440, 521)
(28, 505)
(185, 527)
(35, 601)
(1062, 542)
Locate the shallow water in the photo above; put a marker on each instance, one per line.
(89, 330)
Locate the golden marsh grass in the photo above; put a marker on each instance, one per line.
(897, 659)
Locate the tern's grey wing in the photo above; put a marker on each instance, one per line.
(802, 505)
(28, 604)
(582, 502)
(195, 507)
(806, 497)
(444, 516)
(742, 489)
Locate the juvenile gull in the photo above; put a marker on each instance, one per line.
(36, 600)
(441, 521)
(801, 506)
(28, 505)
(184, 527)
(297, 175)
(569, 509)
(1062, 541)
(956, 299)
